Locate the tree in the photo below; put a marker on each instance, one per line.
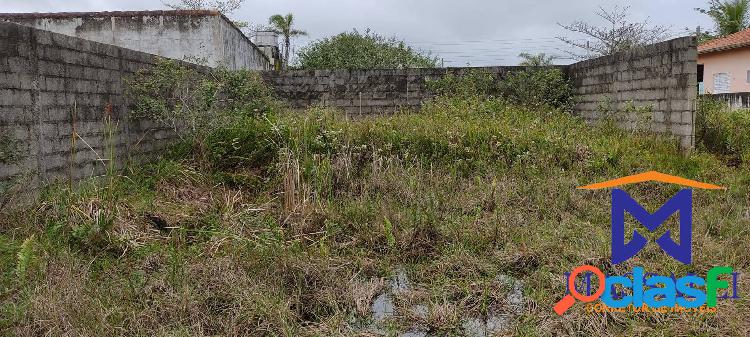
(354, 50)
(618, 35)
(539, 60)
(225, 7)
(283, 25)
(729, 16)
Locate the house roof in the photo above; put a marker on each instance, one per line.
(651, 176)
(736, 40)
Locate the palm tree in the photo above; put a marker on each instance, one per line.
(283, 25)
(730, 16)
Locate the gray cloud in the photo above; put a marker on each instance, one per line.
(479, 32)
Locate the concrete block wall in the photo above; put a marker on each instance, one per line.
(363, 92)
(663, 76)
(53, 87)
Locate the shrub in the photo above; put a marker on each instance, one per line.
(190, 101)
(243, 92)
(534, 87)
(474, 82)
(538, 87)
(249, 143)
(173, 95)
(354, 50)
(722, 130)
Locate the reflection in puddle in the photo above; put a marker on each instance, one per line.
(384, 309)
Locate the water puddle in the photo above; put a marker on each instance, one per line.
(384, 309)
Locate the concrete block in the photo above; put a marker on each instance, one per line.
(19, 65)
(54, 84)
(681, 129)
(688, 117)
(675, 117)
(15, 97)
(659, 116)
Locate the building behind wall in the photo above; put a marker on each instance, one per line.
(268, 42)
(724, 64)
(199, 36)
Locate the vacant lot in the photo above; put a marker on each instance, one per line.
(458, 219)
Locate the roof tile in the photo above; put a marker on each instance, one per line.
(736, 40)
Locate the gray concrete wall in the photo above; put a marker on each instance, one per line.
(181, 35)
(364, 92)
(661, 78)
(56, 92)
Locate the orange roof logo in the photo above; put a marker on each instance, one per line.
(652, 176)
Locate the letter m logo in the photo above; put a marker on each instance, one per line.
(682, 202)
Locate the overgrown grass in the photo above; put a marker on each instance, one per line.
(298, 219)
(723, 130)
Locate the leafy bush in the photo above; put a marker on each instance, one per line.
(354, 50)
(532, 87)
(467, 134)
(249, 143)
(474, 82)
(243, 92)
(190, 101)
(722, 130)
(538, 87)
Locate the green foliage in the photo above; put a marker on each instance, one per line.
(458, 196)
(471, 83)
(25, 259)
(538, 87)
(640, 116)
(243, 93)
(284, 25)
(249, 143)
(9, 153)
(729, 16)
(194, 102)
(467, 134)
(538, 60)
(354, 50)
(722, 130)
(390, 237)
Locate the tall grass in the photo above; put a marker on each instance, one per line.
(289, 224)
(723, 130)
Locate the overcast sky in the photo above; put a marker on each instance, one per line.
(476, 32)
